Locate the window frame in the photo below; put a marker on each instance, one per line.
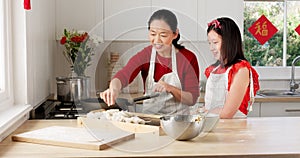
(6, 95)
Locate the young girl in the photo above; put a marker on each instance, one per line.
(166, 67)
(232, 82)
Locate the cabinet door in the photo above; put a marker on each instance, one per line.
(255, 110)
(81, 15)
(126, 20)
(219, 8)
(186, 13)
(202, 20)
(280, 109)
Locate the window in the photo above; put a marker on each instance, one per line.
(284, 46)
(5, 59)
(293, 38)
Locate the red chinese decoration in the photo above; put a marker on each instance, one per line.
(262, 30)
(297, 29)
(27, 5)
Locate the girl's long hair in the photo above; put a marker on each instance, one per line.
(232, 46)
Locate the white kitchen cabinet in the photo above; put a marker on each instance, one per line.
(202, 20)
(186, 13)
(84, 15)
(255, 110)
(126, 20)
(209, 10)
(272, 109)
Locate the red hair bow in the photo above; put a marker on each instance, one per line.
(216, 23)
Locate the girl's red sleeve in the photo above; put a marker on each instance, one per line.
(208, 70)
(244, 105)
(242, 64)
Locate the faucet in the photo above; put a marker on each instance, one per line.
(293, 84)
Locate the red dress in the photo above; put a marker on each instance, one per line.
(243, 63)
(187, 67)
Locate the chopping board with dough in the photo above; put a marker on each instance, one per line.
(94, 136)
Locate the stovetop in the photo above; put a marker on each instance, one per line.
(53, 109)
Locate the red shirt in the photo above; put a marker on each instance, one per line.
(243, 63)
(187, 69)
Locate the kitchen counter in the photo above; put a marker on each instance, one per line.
(252, 137)
(276, 99)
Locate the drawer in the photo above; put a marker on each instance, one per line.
(280, 109)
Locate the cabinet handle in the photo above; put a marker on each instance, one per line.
(292, 110)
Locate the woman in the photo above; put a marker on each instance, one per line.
(232, 82)
(166, 67)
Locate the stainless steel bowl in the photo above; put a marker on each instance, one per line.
(182, 127)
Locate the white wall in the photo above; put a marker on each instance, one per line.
(41, 46)
(19, 53)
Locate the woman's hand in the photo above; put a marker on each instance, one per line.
(162, 86)
(110, 95)
(181, 96)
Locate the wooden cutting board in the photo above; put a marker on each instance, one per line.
(103, 135)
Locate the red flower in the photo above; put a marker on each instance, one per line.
(85, 35)
(76, 39)
(79, 39)
(63, 40)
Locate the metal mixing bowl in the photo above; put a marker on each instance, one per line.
(182, 127)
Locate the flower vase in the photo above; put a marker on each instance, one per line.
(73, 73)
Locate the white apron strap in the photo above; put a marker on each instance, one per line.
(252, 98)
(150, 77)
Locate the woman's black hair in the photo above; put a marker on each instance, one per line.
(232, 46)
(170, 19)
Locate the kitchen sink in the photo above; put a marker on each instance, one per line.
(278, 93)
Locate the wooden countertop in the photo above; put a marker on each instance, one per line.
(251, 137)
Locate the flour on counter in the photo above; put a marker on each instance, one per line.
(115, 115)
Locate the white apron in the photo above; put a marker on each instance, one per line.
(217, 89)
(165, 103)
